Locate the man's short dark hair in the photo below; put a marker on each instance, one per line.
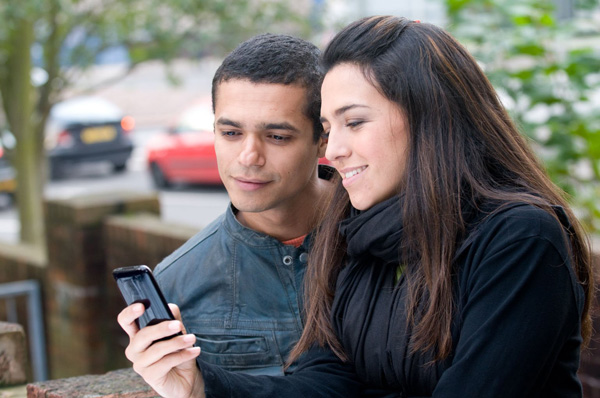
(277, 59)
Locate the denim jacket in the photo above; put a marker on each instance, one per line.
(239, 292)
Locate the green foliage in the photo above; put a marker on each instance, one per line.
(549, 79)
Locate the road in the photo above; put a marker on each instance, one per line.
(194, 206)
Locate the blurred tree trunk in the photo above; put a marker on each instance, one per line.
(17, 93)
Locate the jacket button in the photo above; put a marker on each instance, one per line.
(287, 260)
(304, 257)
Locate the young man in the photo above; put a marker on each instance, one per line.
(238, 283)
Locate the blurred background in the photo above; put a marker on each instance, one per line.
(103, 96)
(137, 75)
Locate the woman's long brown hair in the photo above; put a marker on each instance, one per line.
(463, 149)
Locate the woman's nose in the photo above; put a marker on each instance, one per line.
(337, 146)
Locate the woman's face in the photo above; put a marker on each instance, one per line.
(368, 136)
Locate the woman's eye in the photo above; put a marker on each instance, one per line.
(354, 123)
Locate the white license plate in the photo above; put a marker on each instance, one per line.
(92, 135)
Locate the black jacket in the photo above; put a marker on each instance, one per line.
(516, 331)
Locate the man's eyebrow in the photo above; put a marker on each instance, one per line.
(222, 121)
(343, 110)
(280, 126)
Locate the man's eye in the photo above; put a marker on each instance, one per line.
(229, 133)
(279, 138)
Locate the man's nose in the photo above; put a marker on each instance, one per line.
(252, 152)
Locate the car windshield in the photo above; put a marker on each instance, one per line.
(85, 110)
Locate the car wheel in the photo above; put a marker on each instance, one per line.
(158, 177)
(119, 168)
(56, 170)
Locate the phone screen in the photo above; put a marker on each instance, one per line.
(137, 285)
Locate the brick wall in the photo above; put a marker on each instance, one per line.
(88, 236)
(20, 262)
(76, 289)
(133, 240)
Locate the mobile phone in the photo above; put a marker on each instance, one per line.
(137, 285)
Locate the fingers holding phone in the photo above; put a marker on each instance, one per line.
(158, 347)
(128, 318)
(154, 346)
(166, 363)
(146, 307)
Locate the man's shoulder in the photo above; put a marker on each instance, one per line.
(200, 241)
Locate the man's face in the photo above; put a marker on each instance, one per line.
(264, 144)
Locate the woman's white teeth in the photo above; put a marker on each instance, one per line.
(354, 172)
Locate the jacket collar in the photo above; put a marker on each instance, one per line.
(254, 238)
(249, 236)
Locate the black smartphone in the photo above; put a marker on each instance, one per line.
(137, 285)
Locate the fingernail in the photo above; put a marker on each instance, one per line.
(188, 338)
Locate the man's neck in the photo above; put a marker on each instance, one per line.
(291, 222)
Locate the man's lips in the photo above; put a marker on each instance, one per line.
(250, 184)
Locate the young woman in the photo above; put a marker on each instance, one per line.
(448, 265)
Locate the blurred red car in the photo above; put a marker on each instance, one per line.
(186, 153)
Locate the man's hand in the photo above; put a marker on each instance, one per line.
(168, 366)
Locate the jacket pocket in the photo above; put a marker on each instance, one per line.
(232, 344)
(236, 352)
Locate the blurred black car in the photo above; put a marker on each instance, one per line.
(85, 130)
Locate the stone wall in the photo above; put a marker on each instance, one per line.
(13, 355)
(122, 383)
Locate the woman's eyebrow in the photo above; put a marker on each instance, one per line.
(343, 110)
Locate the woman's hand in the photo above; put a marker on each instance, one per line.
(168, 366)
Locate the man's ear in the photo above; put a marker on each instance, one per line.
(322, 145)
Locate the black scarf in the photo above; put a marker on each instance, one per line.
(376, 231)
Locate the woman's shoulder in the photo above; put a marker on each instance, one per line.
(509, 223)
(528, 220)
